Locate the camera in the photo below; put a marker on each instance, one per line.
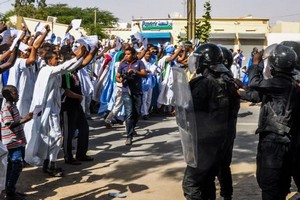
(127, 76)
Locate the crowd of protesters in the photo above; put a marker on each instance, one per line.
(51, 86)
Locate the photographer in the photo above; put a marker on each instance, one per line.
(130, 73)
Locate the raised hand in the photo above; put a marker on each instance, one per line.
(47, 27)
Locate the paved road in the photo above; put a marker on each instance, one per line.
(152, 168)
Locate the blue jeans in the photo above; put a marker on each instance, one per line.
(132, 104)
(14, 168)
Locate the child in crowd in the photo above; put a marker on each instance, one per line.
(13, 138)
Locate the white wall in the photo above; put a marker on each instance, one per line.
(273, 38)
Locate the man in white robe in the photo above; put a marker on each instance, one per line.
(24, 73)
(166, 63)
(147, 92)
(45, 142)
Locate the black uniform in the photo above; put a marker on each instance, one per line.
(296, 149)
(295, 45)
(224, 174)
(212, 106)
(274, 128)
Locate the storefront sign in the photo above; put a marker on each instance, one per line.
(157, 25)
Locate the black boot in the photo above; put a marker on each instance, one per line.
(46, 166)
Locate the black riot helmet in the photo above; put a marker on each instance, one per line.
(296, 47)
(283, 59)
(227, 57)
(209, 56)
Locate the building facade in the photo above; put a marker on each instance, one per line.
(233, 33)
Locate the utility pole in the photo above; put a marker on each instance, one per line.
(95, 19)
(191, 19)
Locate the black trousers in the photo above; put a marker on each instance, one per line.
(274, 166)
(199, 184)
(296, 164)
(224, 174)
(75, 119)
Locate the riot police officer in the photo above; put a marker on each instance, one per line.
(279, 101)
(224, 173)
(296, 126)
(211, 103)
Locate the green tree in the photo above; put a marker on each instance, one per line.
(203, 26)
(66, 14)
(25, 11)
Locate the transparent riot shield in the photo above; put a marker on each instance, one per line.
(3, 165)
(265, 57)
(192, 62)
(185, 116)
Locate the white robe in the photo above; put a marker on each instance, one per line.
(45, 130)
(166, 93)
(23, 78)
(87, 86)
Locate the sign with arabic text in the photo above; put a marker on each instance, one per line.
(157, 25)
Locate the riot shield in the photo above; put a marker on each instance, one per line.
(265, 57)
(192, 63)
(185, 116)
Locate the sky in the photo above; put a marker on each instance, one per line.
(125, 10)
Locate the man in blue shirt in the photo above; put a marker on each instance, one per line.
(130, 73)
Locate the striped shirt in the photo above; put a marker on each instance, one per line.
(11, 137)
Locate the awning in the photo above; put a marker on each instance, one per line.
(156, 34)
(253, 36)
(226, 36)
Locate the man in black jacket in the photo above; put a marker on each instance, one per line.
(279, 100)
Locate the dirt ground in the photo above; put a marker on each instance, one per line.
(152, 168)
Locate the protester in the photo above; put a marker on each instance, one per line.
(24, 73)
(118, 100)
(235, 68)
(73, 114)
(44, 145)
(166, 63)
(147, 85)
